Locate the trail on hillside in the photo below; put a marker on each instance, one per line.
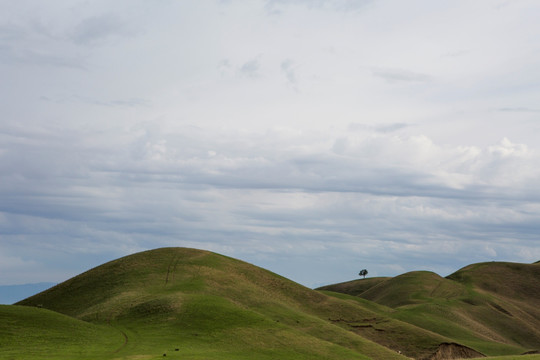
(171, 269)
(125, 342)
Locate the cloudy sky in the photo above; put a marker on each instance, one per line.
(310, 137)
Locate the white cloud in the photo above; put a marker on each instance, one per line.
(131, 125)
(401, 195)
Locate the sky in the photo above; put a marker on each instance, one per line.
(313, 138)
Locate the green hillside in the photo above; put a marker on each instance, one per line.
(194, 304)
(493, 308)
(355, 287)
(33, 333)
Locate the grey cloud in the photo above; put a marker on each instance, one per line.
(382, 128)
(32, 43)
(519, 109)
(13, 56)
(381, 198)
(400, 75)
(11, 32)
(130, 102)
(390, 127)
(457, 53)
(224, 67)
(348, 5)
(287, 68)
(250, 68)
(277, 6)
(95, 29)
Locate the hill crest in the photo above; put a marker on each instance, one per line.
(218, 302)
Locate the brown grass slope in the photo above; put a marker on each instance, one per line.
(516, 283)
(493, 307)
(511, 293)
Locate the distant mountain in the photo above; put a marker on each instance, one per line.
(10, 294)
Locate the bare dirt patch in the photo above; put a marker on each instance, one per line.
(448, 351)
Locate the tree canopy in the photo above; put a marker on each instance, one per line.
(363, 273)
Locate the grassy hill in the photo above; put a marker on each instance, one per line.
(493, 308)
(33, 333)
(210, 306)
(355, 287)
(193, 304)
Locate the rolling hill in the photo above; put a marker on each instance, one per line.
(33, 333)
(194, 304)
(493, 308)
(211, 307)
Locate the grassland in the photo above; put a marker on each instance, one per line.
(32, 333)
(208, 307)
(493, 308)
(192, 304)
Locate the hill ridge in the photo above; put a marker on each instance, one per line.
(484, 306)
(209, 306)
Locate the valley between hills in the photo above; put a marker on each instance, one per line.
(180, 303)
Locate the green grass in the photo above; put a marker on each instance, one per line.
(33, 333)
(355, 287)
(192, 304)
(207, 306)
(493, 308)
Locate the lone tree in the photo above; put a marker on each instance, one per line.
(363, 273)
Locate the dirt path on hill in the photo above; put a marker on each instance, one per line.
(124, 344)
(171, 269)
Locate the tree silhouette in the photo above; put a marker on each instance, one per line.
(363, 273)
